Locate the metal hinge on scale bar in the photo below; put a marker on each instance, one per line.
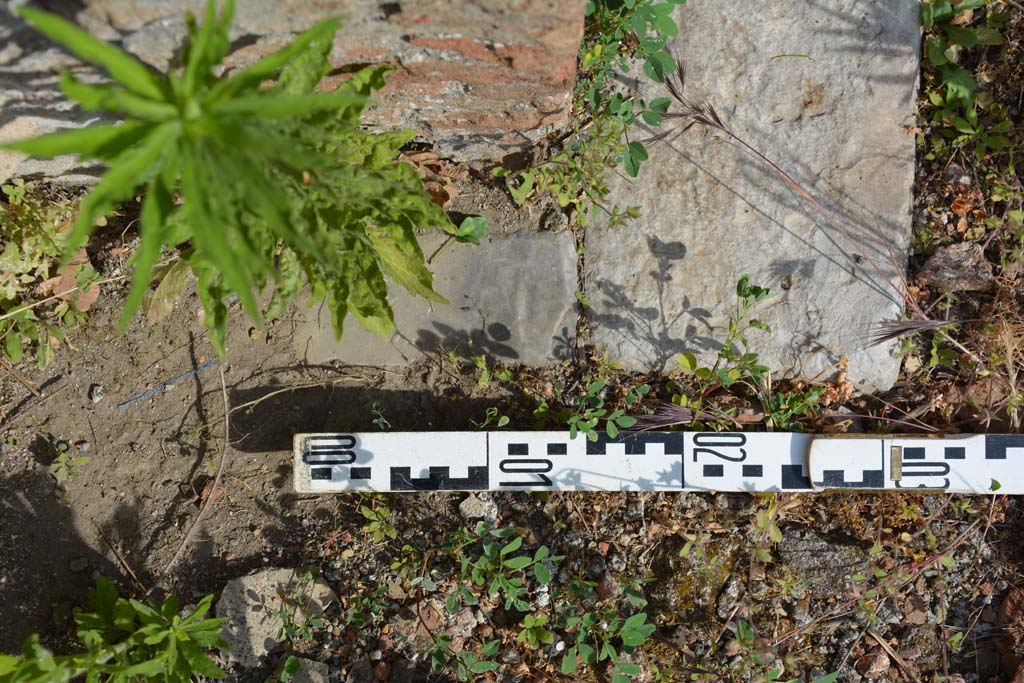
(655, 461)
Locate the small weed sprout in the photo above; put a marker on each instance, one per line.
(295, 624)
(65, 465)
(378, 523)
(465, 663)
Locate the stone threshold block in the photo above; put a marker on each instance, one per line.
(479, 79)
(512, 300)
(825, 88)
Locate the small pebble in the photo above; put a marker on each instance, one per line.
(78, 564)
(96, 393)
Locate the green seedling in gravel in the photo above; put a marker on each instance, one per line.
(378, 523)
(960, 115)
(535, 632)
(492, 417)
(364, 605)
(379, 420)
(602, 636)
(498, 567)
(125, 641)
(591, 411)
(295, 626)
(277, 181)
(758, 663)
(409, 562)
(288, 669)
(465, 664)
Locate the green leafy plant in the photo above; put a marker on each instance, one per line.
(492, 417)
(65, 465)
(535, 632)
(33, 232)
(601, 636)
(959, 114)
(289, 668)
(364, 604)
(300, 189)
(378, 523)
(591, 411)
(296, 622)
(465, 663)
(758, 663)
(498, 567)
(617, 32)
(126, 641)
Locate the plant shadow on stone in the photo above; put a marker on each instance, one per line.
(650, 327)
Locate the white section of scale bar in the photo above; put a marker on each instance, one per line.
(655, 461)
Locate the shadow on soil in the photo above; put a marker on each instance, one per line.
(275, 416)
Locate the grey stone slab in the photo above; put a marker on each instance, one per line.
(252, 604)
(511, 299)
(827, 89)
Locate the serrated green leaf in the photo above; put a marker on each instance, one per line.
(198, 661)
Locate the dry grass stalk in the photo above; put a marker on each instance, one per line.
(699, 111)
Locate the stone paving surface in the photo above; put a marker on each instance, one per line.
(512, 299)
(479, 78)
(826, 89)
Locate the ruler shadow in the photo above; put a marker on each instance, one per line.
(270, 425)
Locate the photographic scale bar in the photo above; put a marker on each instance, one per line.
(656, 461)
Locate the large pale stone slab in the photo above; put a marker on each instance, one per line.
(825, 88)
(512, 299)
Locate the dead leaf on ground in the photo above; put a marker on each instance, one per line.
(438, 175)
(65, 284)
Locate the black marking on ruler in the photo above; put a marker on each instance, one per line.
(873, 479)
(321, 473)
(438, 480)
(914, 453)
(996, 445)
(636, 442)
(753, 471)
(359, 473)
(955, 453)
(519, 449)
(714, 471)
(329, 450)
(558, 449)
(793, 478)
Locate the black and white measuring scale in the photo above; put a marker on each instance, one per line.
(655, 461)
